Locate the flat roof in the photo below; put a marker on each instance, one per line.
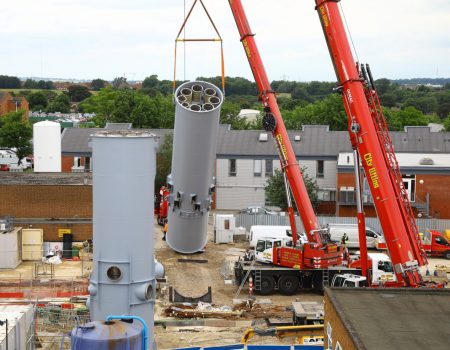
(7, 178)
(394, 318)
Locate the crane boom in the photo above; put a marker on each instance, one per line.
(369, 135)
(273, 122)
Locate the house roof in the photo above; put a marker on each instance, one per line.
(393, 318)
(76, 141)
(311, 141)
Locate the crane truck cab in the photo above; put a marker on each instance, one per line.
(381, 268)
(264, 247)
(435, 244)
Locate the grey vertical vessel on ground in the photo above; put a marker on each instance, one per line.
(191, 184)
(123, 279)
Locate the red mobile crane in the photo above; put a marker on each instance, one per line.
(370, 140)
(370, 137)
(319, 252)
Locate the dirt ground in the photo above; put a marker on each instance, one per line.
(193, 279)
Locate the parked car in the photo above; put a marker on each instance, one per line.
(4, 167)
(255, 210)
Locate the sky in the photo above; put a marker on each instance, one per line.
(88, 39)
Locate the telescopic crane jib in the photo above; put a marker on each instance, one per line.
(370, 137)
(319, 252)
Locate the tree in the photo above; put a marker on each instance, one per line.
(78, 93)
(447, 123)
(150, 82)
(60, 103)
(276, 192)
(7, 82)
(164, 161)
(16, 133)
(120, 83)
(37, 100)
(407, 117)
(130, 106)
(98, 84)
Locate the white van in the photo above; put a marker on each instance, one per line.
(262, 231)
(373, 238)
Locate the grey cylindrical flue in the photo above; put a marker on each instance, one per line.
(123, 280)
(187, 93)
(191, 182)
(197, 93)
(208, 94)
(207, 107)
(214, 100)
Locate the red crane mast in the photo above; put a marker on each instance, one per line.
(273, 122)
(369, 135)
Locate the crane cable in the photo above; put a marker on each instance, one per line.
(184, 40)
(348, 32)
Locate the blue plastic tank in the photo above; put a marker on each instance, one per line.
(101, 335)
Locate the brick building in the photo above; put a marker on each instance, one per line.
(373, 319)
(247, 158)
(48, 201)
(10, 103)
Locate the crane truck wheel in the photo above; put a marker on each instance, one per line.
(267, 285)
(288, 285)
(447, 255)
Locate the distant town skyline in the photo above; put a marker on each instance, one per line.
(88, 39)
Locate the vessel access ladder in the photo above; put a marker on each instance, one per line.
(241, 286)
(257, 282)
(392, 165)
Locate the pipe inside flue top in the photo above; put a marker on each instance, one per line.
(195, 108)
(208, 107)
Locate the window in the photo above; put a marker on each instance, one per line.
(232, 167)
(409, 181)
(320, 171)
(269, 167)
(87, 163)
(257, 167)
(260, 246)
(326, 195)
(347, 195)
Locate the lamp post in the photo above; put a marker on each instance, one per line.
(5, 322)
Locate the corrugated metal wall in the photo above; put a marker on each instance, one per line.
(247, 221)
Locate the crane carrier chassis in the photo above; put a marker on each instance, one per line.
(268, 278)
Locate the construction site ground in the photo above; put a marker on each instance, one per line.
(192, 279)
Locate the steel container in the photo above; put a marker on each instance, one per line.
(191, 183)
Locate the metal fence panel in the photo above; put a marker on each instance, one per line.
(247, 221)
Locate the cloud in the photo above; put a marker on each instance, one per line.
(99, 38)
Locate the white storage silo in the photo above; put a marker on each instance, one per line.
(47, 147)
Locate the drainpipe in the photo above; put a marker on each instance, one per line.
(127, 317)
